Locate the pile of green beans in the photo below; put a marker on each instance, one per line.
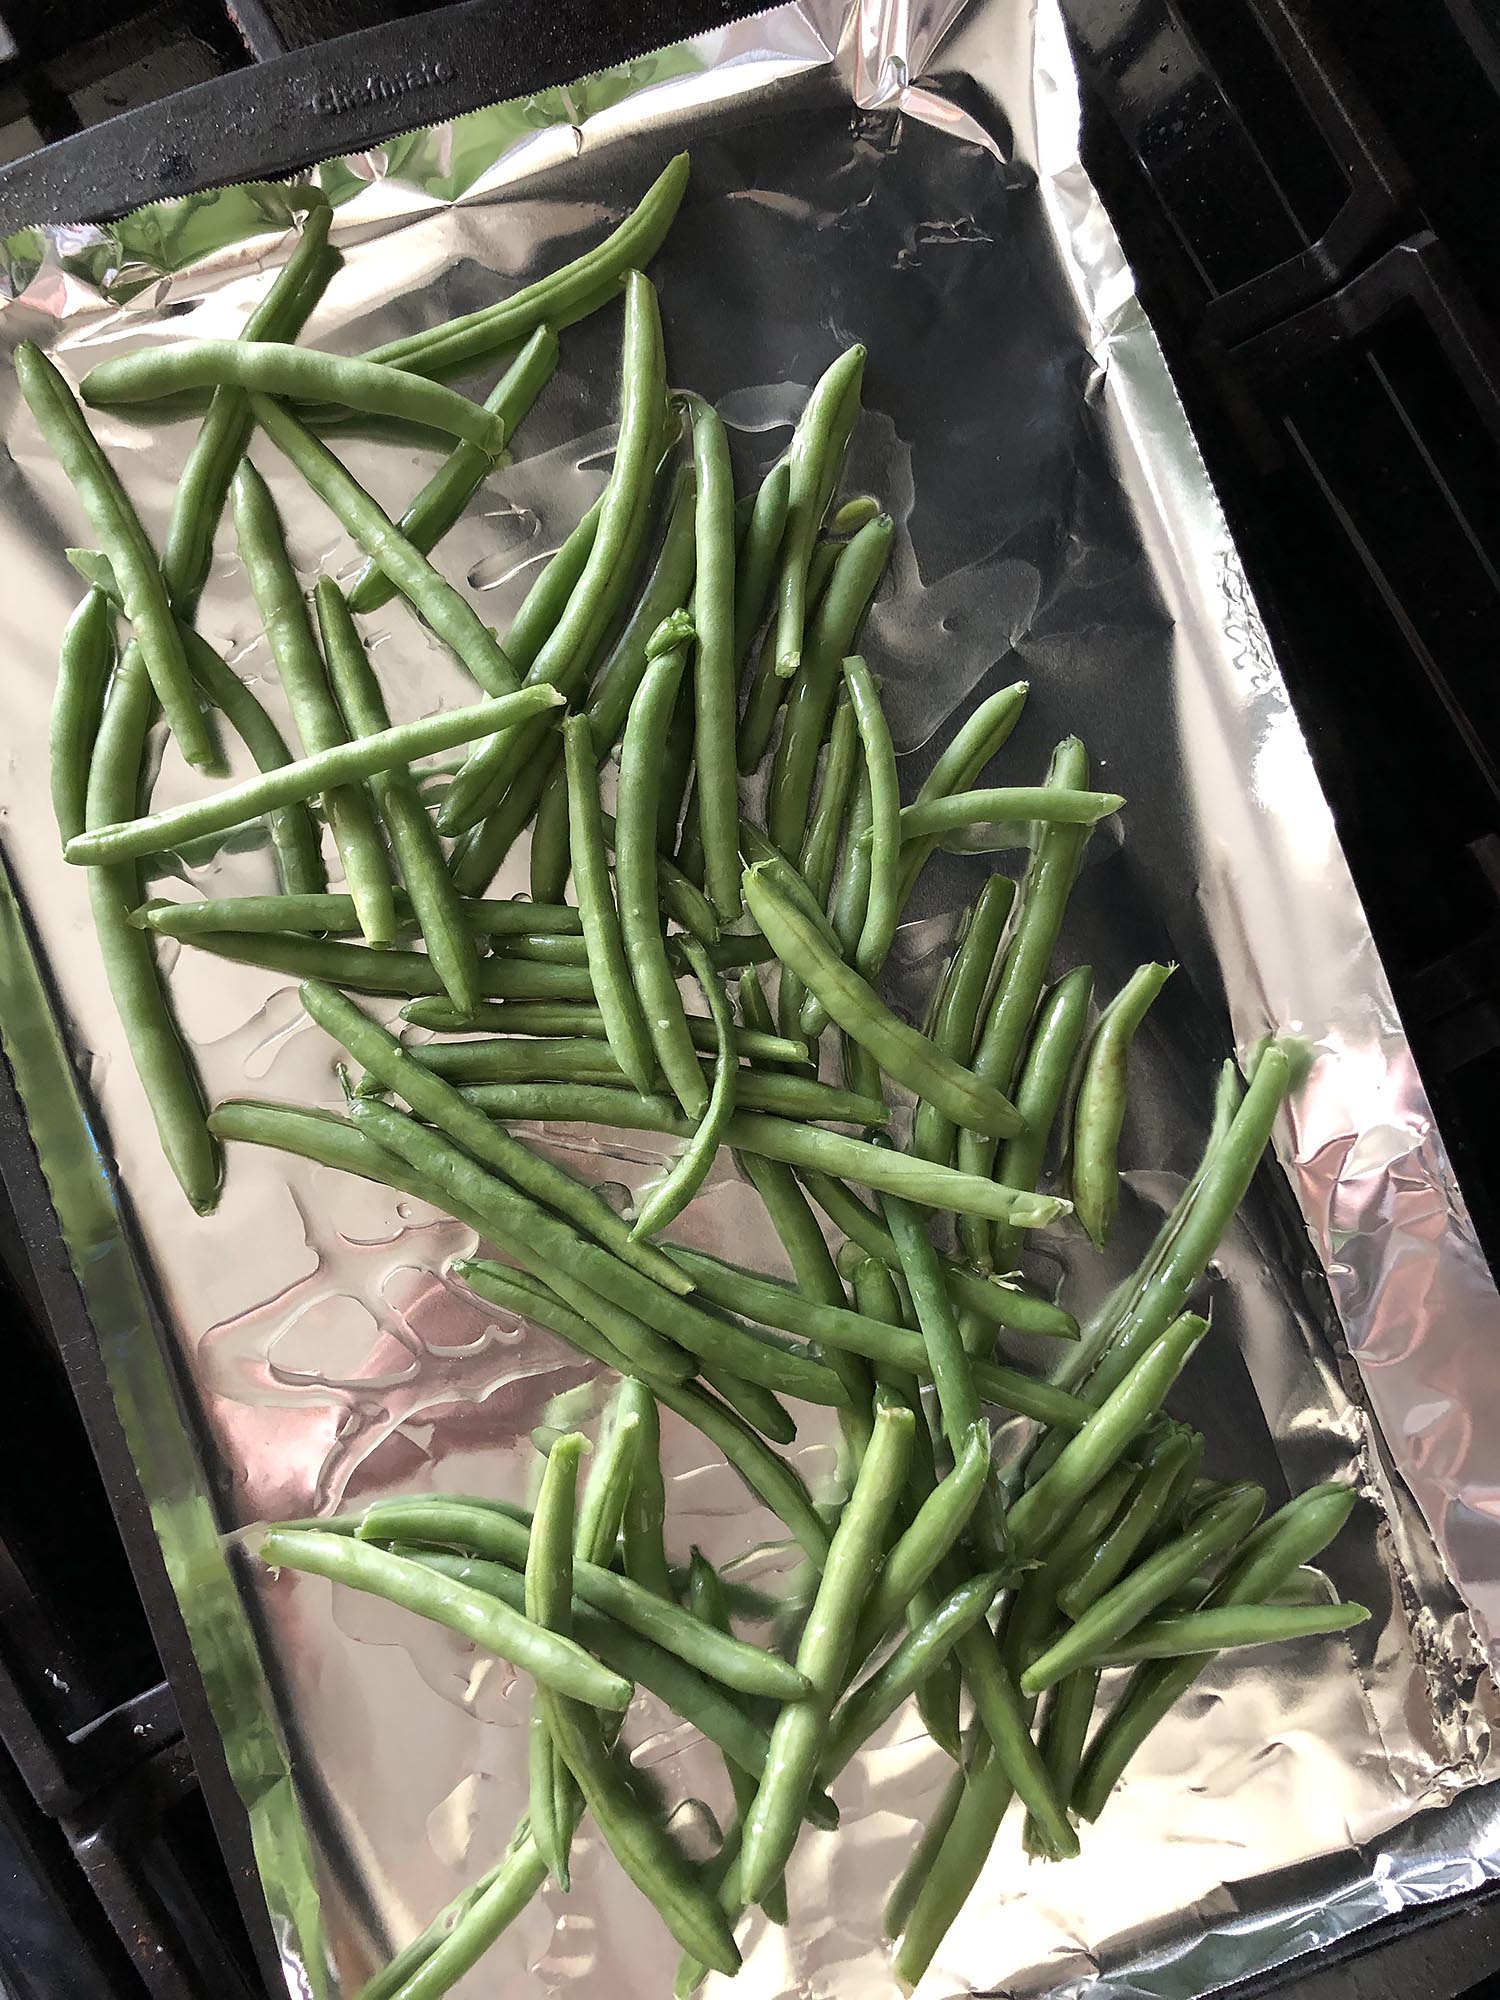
(719, 983)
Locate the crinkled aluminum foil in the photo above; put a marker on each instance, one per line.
(907, 174)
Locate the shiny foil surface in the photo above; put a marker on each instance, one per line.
(904, 172)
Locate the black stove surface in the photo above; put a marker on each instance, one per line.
(1306, 197)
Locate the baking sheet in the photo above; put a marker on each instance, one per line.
(909, 176)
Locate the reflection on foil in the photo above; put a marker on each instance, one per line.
(851, 178)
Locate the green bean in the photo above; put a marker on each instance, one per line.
(975, 742)
(1103, 1440)
(550, 860)
(766, 690)
(433, 1099)
(775, 1818)
(502, 1070)
(1099, 1111)
(84, 663)
(393, 1976)
(607, 706)
(608, 572)
(673, 1193)
(899, 1904)
(450, 615)
(1278, 1548)
(850, 588)
(1120, 1610)
(606, 1491)
(755, 1012)
(406, 972)
(548, 1598)
(1149, 1507)
(578, 289)
(346, 763)
(934, 1529)
(1057, 852)
(706, 1598)
(888, 1347)
(876, 1700)
(1225, 1627)
(1064, 1733)
(571, 1018)
(995, 1302)
(443, 499)
(161, 1061)
(755, 571)
(438, 907)
(553, 1660)
(294, 832)
(815, 460)
(851, 889)
(432, 1520)
(502, 1896)
(722, 1343)
(714, 662)
(643, 1549)
(1055, 1040)
(819, 854)
(960, 999)
(198, 503)
(882, 909)
(1229, 1169)
(315, 713)
(624, 1024)
(902, 1051)
(1010, 807)
(636, 883)
(952, 1373)
(294, 374)
(118, 530)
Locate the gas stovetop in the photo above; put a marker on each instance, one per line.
(1306, 199)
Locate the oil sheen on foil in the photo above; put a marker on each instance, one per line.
(906, 175)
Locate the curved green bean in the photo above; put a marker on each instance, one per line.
(608, 571)
(876, 1700)
(547, 1595)
(1012, 806)
(552, 1659)
(642, 1547)
(982, 736)
(1061, 1021)
(434, 1099)
(851, 586)
(815, 461)
(1099, 1110)
(636, 882)
(443, 499)
(1221, 1628)
(431, 1520)
(450, 614)
(162, 1063)
(672, 1194)
(882, 902)
(601, 1511)
(1149, 1509)
(118, 530)
(439, 909)
(562, 297)
(624, 1024)
(198, 504)
(84, 664)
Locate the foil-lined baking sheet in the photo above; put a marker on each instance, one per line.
(908, 175)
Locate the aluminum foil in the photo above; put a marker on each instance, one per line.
(907, 174)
